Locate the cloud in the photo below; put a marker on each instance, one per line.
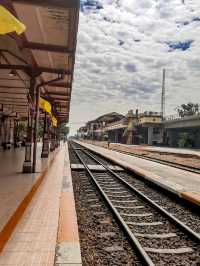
(123, 45)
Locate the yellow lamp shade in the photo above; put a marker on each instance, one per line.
(54, 121)
(9, 23)
(45, 105)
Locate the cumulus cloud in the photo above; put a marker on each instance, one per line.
(123, 45)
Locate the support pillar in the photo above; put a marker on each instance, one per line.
(45, 145)
(3, 133)
(10, 140)
(58, 137)
(16, 136)
(37, 113)
(52, 146)
(27, 166)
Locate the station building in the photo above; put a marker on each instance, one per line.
(138, 128)
(97, 128)
(144, 128)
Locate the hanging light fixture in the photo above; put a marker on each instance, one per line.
(12, 73)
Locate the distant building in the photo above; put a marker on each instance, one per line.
(150, 128)
(133, 128)
(144, 128)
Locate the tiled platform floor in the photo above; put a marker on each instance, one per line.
(166, 149)
(149, 148)
(14, 185)
(176, 180)
(34, 238)
(47, 233)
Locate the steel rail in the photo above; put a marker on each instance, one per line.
(161, 210)
(132, 239)
(191, 169)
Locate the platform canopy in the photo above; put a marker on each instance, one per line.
(45, 51)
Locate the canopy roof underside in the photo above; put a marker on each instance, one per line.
(46, 50)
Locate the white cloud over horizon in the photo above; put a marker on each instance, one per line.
(122, 49)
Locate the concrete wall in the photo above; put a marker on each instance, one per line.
(115, 136)
(173, 136)
(185, 122)
(150, 119)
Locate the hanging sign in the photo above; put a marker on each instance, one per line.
(54, 121)
(45, 105)
(9, 23)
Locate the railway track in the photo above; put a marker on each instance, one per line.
(157, 235)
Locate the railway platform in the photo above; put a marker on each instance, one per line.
(182, 183)
(181, 151)
(38, 217)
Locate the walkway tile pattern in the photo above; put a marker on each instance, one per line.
(34, 239)
(14, 185)
(68, 246)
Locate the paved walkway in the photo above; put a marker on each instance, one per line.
(149, 148)
(14, 185)
(165, 149)
(183, 183)
(41, 236)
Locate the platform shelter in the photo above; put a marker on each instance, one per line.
(37, 57)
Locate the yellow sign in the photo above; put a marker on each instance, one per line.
(45, 105)
(9, 23)
(54, 121)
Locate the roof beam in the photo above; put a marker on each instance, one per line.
(54, 70)
(13, 92)
(60, 97)
(13, 99)
(36, 71)
(61, 100)
(14, 79)
(59, 94)
(47, 47)
(14, 104)
(50, 3)
(60, 85)
(12, 87)
(64, 113)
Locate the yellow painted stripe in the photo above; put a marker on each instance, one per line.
(191, 196)
(15, 218)
(68, 228)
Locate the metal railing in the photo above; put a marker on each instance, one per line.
(177, 117)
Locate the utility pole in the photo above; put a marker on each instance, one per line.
(163, 95)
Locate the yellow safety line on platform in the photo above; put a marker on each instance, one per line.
(191, 196)
(15, 218)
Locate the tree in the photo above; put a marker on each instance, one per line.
(21, 130)
(186, 140)
(64, 130)
(188, 109)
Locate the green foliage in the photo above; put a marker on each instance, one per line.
(21, 131)
(185, 140)
(188, 109)
(40, 129)
(64, 129)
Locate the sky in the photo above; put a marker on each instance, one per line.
(123, 47)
